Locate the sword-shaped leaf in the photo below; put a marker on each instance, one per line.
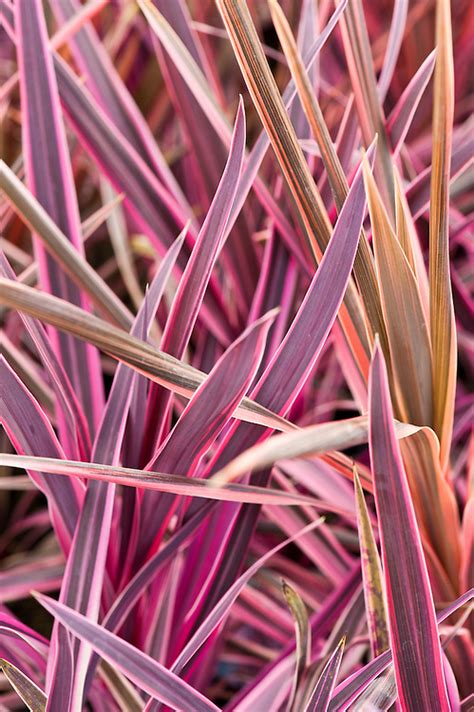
(145, 672)
(412, 622)
(149, 361)
(30, 694)
(442, 323)
(371, 575)
(49, 174)
(321, 695)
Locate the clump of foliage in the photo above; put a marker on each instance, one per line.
(236, 295)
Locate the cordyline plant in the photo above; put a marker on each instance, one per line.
(236, 298)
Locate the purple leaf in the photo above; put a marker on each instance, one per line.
(164, 482)
(144, 197)
(411, 616)
(145, 672)
(50, 178)
(399, 121)
(397, 29)
(76, 431)
(297, 354)
(30, 694)
(84, 575)
(107, 87)
(31, 433)
(321, 695)
(355, 684)
(223, 606)
(193, 284)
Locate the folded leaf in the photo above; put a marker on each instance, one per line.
(407, 329)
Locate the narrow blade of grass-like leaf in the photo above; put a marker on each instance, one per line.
(238, 255)
(164, 482)
(371, 575)
(192, 287)
(399, 121)
(150, 205)
(412, 622)
(30, 694)
(369, 108)
(321, 695)
(118, 231)
(31, 433)
(145, 672)
(364, 269)
(303, 638)
(49, 174)
(196, 82)
(110, 91)
(295, 358)
(85, 569)
(75, 433)
(287, 372)
(156, 365)
(131, 593)
(43, 573)
(307, 441)
(348, 690)
(129, 596)
(9, 625)
(223, 606)
(272, 113)
(418, 191)
(394, 42)
(115, 155)
(434, 501)
(57, 244)
(123, 691)
(268, 103)
(442, 324)
(100, 216)
(206, 414)
(404, 315)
